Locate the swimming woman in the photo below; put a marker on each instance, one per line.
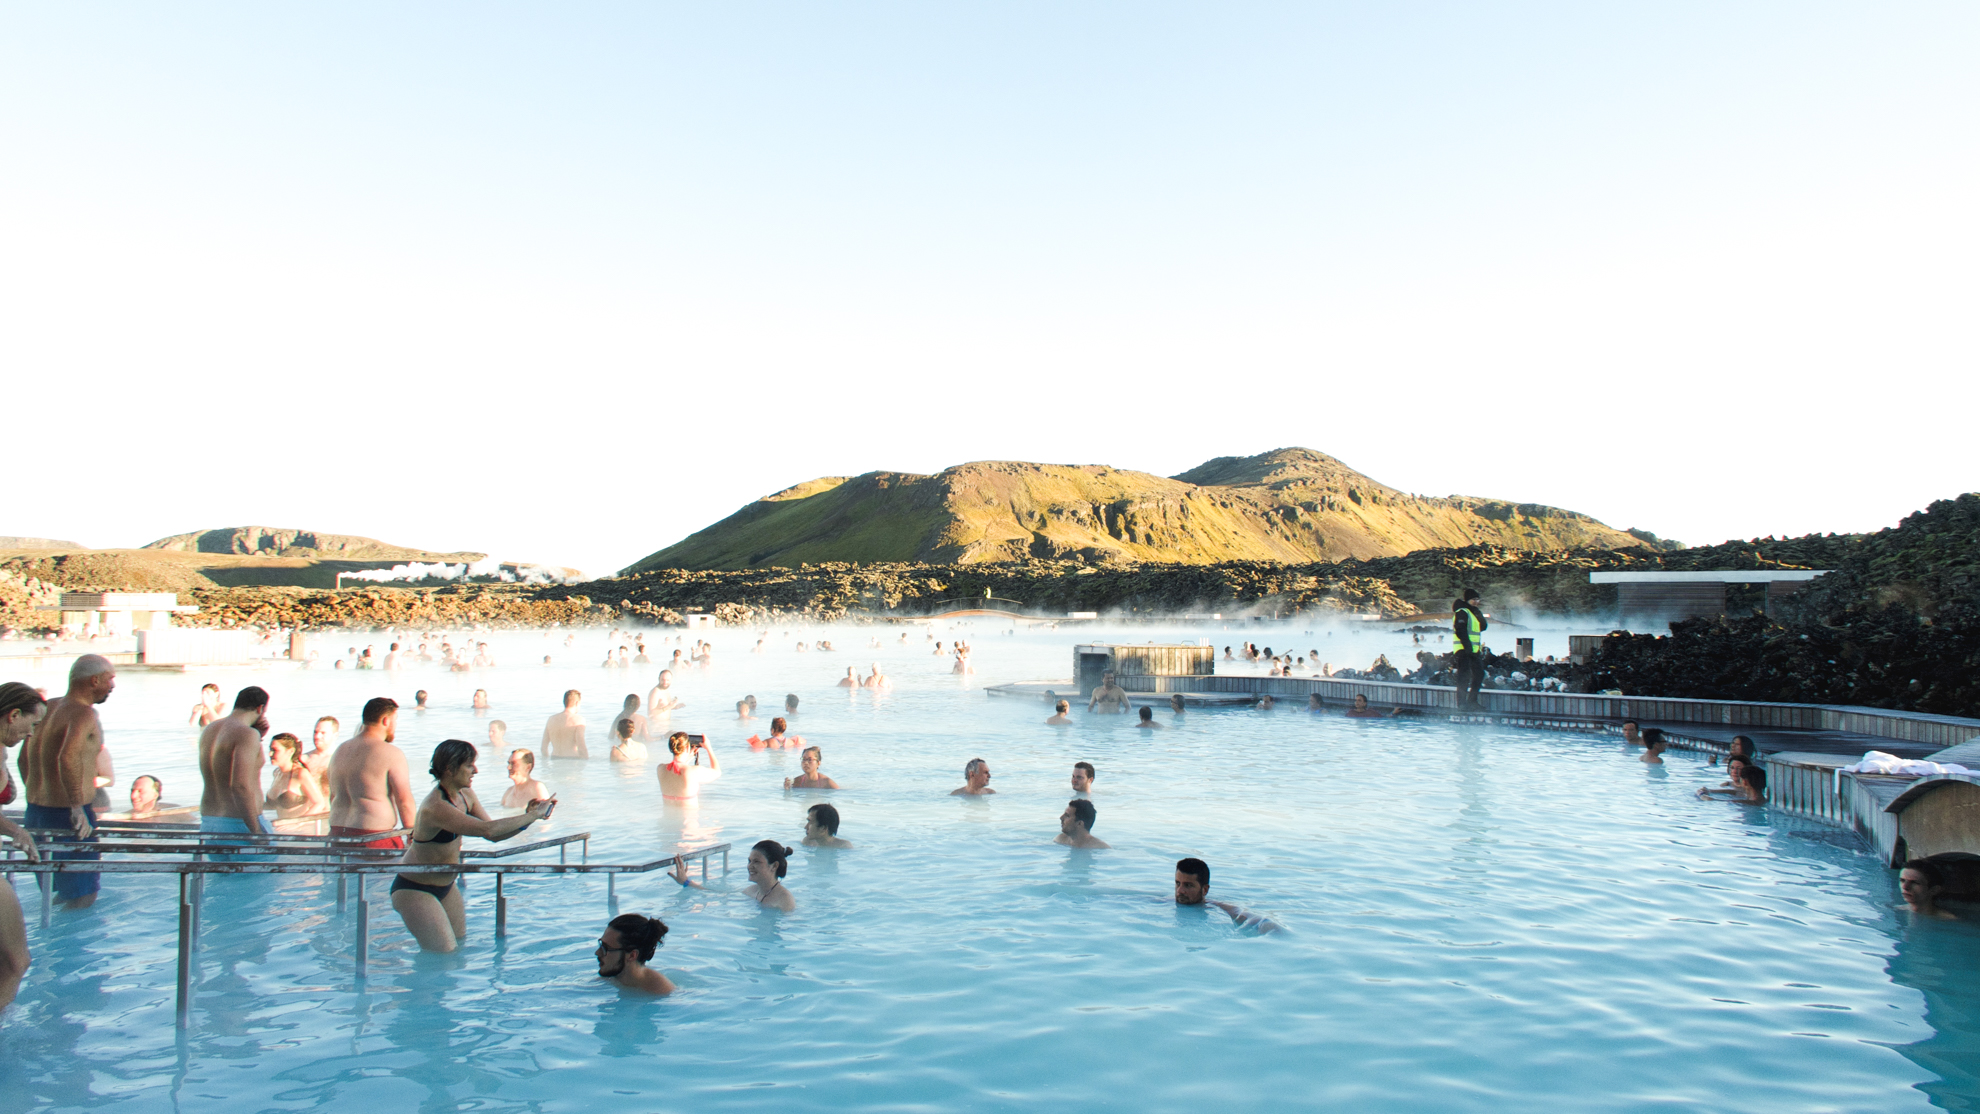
(681, 778)
(768, 862)
(811, 778)
(431, 903)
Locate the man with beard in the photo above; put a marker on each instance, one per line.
(624, 950)
(58, 767)
(370, 789)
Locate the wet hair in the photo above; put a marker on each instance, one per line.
(970, 766)
(17, 697)
(632, 700)
(571, 696)
(1735, 746)
(1756, 778)
(1091, 774)
(252, 697)
(1083, 811)
(528, 759)
(500, 725)
(1935, 875)
(790, 702)
(622, 727)
(640, 934)
(1062, 707)
(813, 750)
(288, 741)
(1147, 713)
(1196, 868)
(774, 853)
(331, 720)
(1176, 701)
(1360, 699)
(678, 742)
(742, 707)
(204, 689)
(778, 726)
(450, 755)
(377, 708)
(751, 701)
(1653, 735)
(827, 817)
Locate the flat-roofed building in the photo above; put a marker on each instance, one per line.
(1652, 601)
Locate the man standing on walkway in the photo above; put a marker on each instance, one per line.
(1468, 634)
(370, 788)
(230, 764)
(59, 766)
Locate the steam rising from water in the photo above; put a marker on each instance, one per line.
(488, 569)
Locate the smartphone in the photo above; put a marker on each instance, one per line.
(550, 808)
(696, 741)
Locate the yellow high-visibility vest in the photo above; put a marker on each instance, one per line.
(1468, 632)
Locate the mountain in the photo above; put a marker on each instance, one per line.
(1286, 505)
(8, 541)
(266, 541)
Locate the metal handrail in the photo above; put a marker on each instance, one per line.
(191, 874)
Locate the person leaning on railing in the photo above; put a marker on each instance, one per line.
(431, 903)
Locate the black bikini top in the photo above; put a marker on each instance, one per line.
(443, 835)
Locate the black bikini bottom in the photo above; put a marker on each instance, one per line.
(439, 892)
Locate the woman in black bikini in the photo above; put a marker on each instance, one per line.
(431, 903)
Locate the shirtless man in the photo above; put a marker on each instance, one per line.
(661, 699)
(1076, 826)
(1082, 778)
(1631, 737)
(317, 761)
(976, 780)
(630, 710)
(821, 827)
(1148, 720)
(1108, 696)
(851, 679)
(563, 734)
(523, 786)
(624, 950)
(230, 765)
(208, 709)
(1193, 888)
(58, 767)
(877, 680)
(370, 788)
(1059, 716)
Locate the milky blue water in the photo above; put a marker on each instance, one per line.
(1481, 920)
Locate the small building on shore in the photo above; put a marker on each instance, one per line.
(1652, 601)
(118, 613)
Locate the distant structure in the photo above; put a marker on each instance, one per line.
(118, 613)
(1652, 601)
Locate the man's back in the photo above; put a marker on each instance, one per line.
(219, 758)
(368, 786)
(563, 734)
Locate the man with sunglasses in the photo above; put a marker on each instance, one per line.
(624, 950)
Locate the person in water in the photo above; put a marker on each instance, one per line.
(1082, 777)
(1735, 776)
(682, 777)
(370, 788)
(811, 778)
(790, 703)
(230, 766)
(976, 780)
(1921, 882)
(821, 827)
(625, 747)
(769, 861)
(877, 680)
(1266, 703)
(563, 733)
(523, 786)
(1059, 716)
(778, 740)
(146, 792)
(1175, 704)
(208, 709)
(1076, 826)
(1631, 736)
(660, 700)
(431, 904)
(851, 679)
(625, 949)
(1148, 720)
(1653, 748)
(21, 710)
(1193, 888)
(292, 792)
(629, 709)
(1108, 696)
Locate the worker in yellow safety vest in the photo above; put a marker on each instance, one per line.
(1468, 638)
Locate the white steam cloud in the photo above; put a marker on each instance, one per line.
(488, 569)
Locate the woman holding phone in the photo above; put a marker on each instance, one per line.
(681, 778)
(431, 904)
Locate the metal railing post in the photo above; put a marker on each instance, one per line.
(501, 907)
(47, 882)
(198, 892)
(363, 925)
(342, 881)
(185, 953)
(611, 890)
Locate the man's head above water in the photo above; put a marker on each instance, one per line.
(1192, 881)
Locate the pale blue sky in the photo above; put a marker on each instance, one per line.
(568, 283)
